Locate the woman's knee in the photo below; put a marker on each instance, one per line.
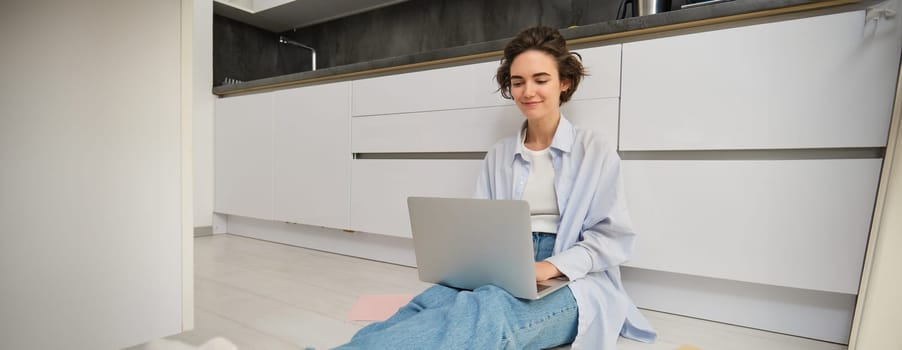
(492, 289)
(494, 300)
(435, 296)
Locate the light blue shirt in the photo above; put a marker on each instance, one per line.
(594, 236)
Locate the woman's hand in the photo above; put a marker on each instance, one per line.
(546, 271)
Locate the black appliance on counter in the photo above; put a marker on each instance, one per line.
(641, 7)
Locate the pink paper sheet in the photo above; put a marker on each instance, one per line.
(377, 307)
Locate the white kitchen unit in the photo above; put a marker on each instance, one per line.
(751, 155)
(459, 112)
(792, 223)
(815, 82)
(311, 155)
(380, 188)
(752, 158)
(457, 130)
(243, 156)
(459, 87)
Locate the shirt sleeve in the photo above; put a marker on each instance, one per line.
(484, 180)
(607, 238)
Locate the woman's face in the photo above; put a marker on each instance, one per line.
(536, 85)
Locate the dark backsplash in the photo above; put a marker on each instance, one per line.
(245, 52)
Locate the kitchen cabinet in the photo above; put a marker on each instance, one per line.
(380, 189)
(458, 112)
(602, 63)
(465, 86)
(458, 130)
(791, 223)
(786, 217)
(817, 82)
(311, 155)
(599, 115)
(752, 157)
(243, 157)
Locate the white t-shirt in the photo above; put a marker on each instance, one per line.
(539, 191)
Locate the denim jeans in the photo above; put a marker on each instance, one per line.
(485, 318)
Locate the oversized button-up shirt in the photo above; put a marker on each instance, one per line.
(594, 236)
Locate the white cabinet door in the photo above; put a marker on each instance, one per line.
(599, 115)
(466, 86)
(816, 82)
(243, 156)
(603, 66)
(792, 223)
(380, 188)
(312, 155)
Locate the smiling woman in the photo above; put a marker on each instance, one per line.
(539, 74)
(581, 230)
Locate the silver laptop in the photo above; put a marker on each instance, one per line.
(469, 243)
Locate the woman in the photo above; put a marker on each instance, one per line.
(571, 179)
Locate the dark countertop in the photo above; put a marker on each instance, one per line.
(723, 12)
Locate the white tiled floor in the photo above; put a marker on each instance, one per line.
(263, 295)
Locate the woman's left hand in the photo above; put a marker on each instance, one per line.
(546, 271)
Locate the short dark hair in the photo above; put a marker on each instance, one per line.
(547, 40)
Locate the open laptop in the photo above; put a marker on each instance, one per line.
(469, 243)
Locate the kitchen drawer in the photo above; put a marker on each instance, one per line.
(465, 86)
(818, 82)
(459, 130)
(467, 130)
(792, 223)
(379, 189)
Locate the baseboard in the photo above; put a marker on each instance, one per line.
(806, 313)
(203, 231)
(371, 246)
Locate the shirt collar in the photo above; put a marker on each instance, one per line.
(562, 140)
(563, 136)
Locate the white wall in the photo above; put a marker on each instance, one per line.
(877, 317)
(90, 194)
(203, 112)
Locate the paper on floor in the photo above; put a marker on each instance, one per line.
(688, 347)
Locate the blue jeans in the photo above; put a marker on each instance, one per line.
(485, 318)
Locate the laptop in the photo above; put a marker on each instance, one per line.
(469, 243)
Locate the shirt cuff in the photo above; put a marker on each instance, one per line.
(574, 263)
